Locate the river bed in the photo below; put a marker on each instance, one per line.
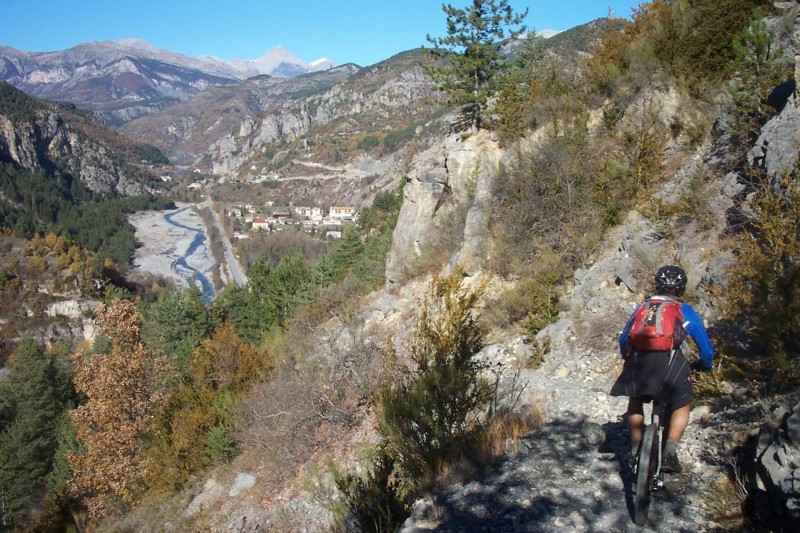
(174, 244)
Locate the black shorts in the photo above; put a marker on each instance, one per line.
(657, 375)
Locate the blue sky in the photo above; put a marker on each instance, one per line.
(345, 31)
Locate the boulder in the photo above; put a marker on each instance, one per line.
(777, 463)
(243, 482)
(641, 250)
(775, 151)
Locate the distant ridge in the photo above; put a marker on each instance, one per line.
(128, 78)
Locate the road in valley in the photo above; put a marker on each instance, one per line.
(234, 268)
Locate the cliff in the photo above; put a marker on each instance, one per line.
(39, 137)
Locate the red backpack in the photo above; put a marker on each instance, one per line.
(657, 325)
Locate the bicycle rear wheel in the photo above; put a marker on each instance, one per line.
(644, 474)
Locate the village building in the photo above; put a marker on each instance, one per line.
(260, 223)
(313, 213)
(282, 216)
(342, 212)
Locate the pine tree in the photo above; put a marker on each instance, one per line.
(33, 397)
(758, 73)
(472, 53)
(176, 323)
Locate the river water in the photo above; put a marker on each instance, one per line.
(183, 265)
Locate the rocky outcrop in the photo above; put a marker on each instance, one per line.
(44, 142)
(777, 461)
(455, 173)
(775, 152)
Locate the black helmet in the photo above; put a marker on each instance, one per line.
(670, 279)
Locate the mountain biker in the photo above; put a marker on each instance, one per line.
(665, 376)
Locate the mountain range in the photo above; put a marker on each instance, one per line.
(242, 116)
(128, 78)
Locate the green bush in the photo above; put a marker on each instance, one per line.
(375, 500)
(431, 414)
(397, 138)
(368, 142)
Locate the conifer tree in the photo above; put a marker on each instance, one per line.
(33, 397)
(472, 53)
(176, 323)
(758, 72)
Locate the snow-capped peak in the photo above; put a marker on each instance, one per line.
(279, 62)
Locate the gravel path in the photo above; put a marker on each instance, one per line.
(572, 474)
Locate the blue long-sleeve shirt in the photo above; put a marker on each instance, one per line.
(693, 325)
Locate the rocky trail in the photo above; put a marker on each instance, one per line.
(572, 473)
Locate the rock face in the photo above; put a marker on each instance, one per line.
(453, 174)
(43, 141)
(775, 151)
(777, 460)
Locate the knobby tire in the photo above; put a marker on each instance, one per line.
(645, 473)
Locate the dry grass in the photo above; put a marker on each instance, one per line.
(725, 501)
(507, 428)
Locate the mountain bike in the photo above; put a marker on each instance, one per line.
(648, 475)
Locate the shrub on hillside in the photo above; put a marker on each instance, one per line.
(374, 500)
(542, 196)
(763, 293)
(688, 40)
(431, 414)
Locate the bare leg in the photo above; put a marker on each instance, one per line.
(677, 422)
(636, 418)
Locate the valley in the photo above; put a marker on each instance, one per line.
(408, 296)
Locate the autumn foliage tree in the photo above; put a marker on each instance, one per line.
(124, 391)
(197, 428)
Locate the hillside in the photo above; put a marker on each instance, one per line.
(263, 124)
(220, 123)
(446, 364)
(570, 472)
(62, 172)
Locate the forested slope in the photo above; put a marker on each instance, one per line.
(61, 172)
